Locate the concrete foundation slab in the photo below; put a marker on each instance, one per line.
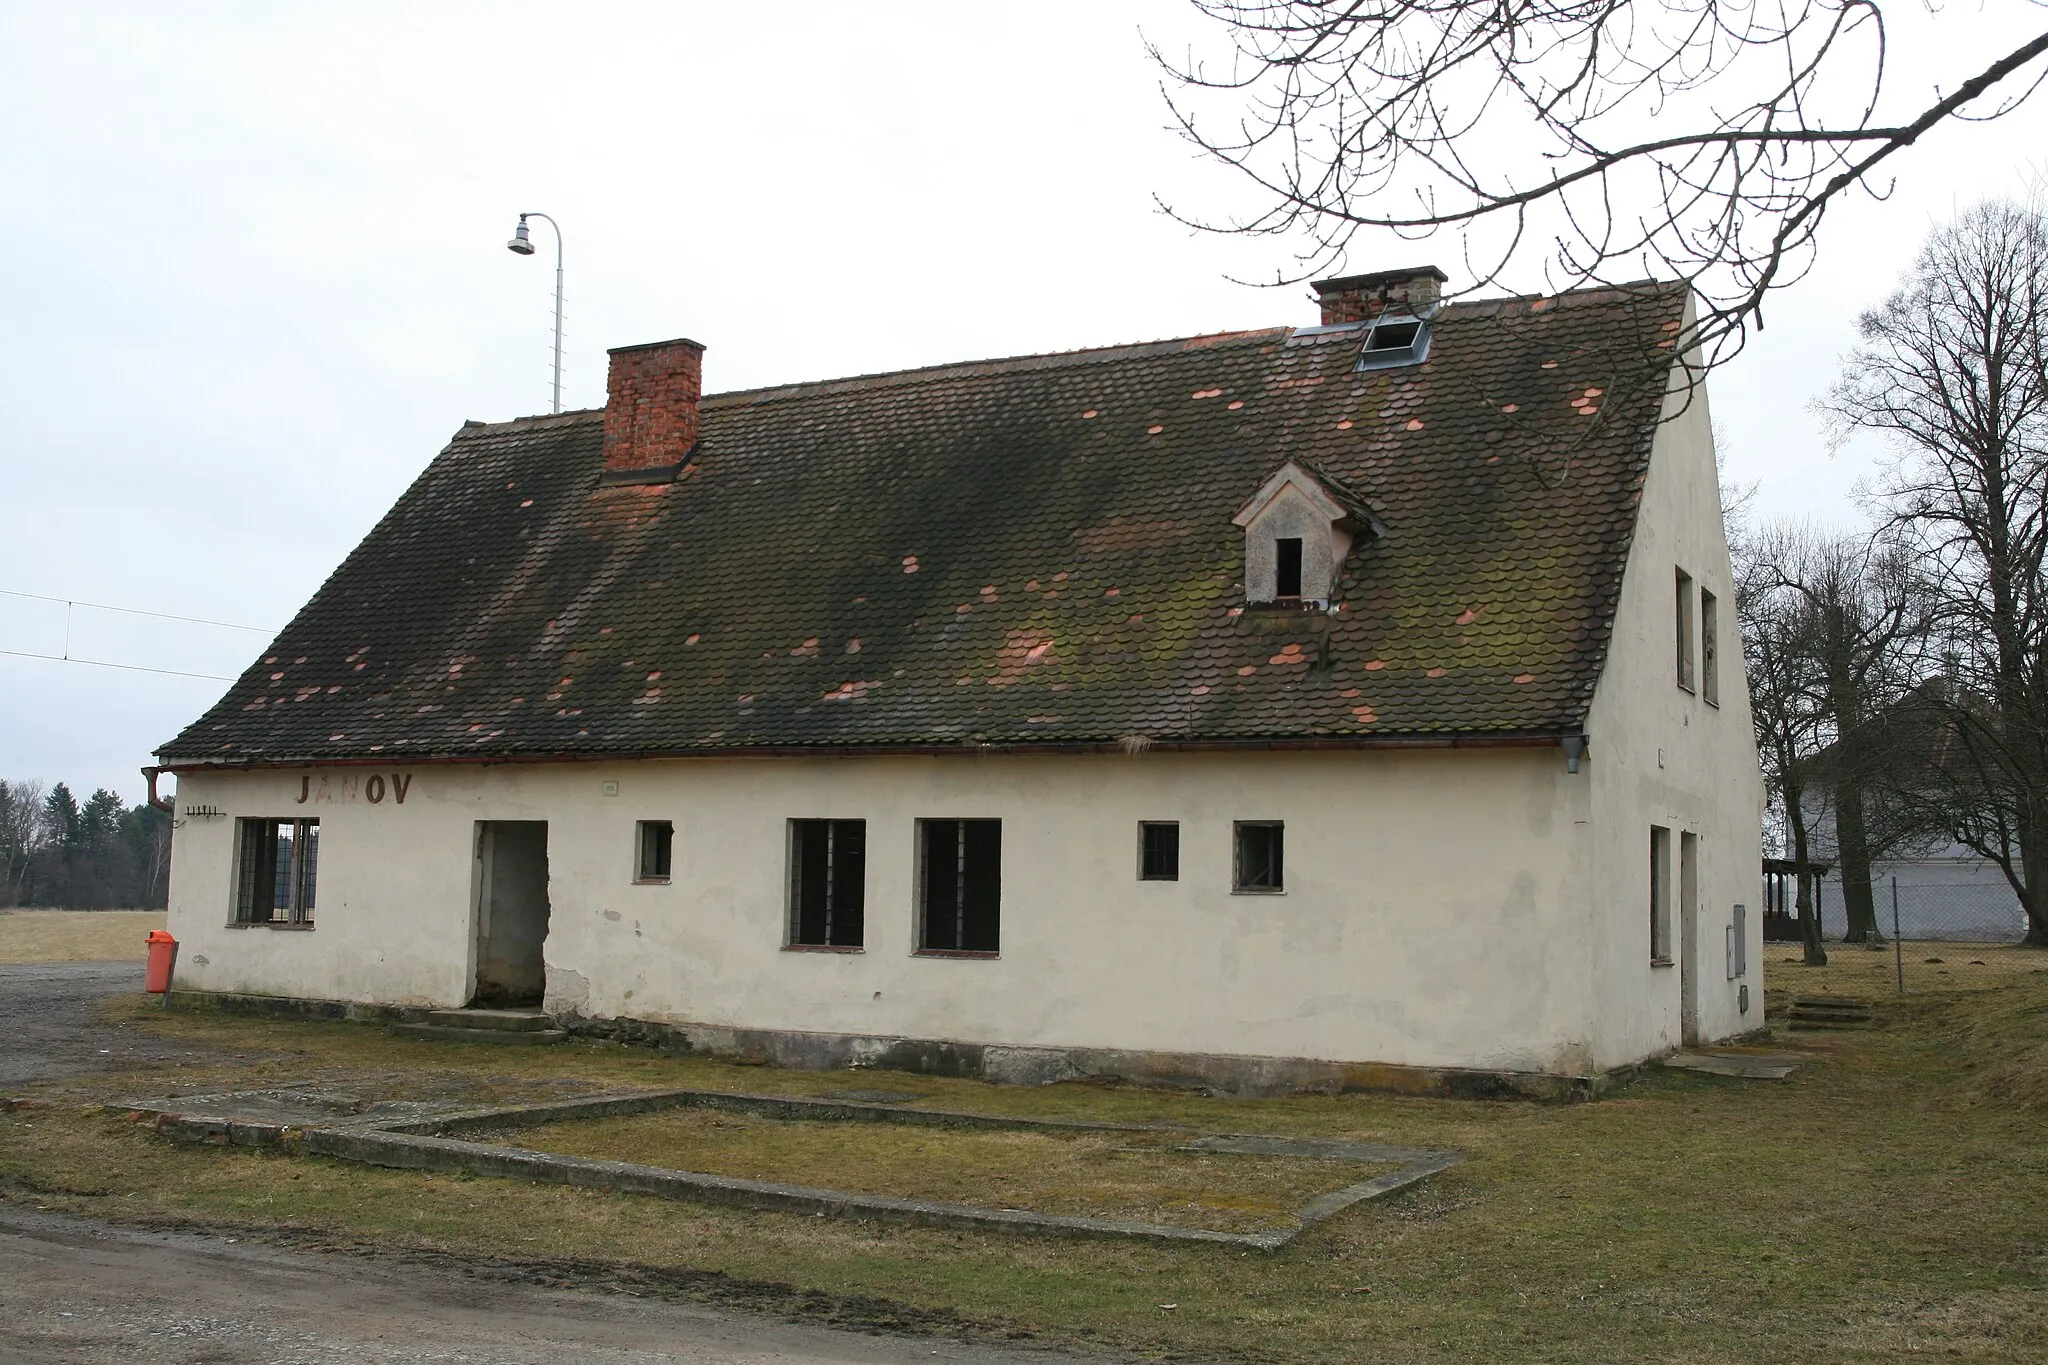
(434, 1137)
(1749, 1066)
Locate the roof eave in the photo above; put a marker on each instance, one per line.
(1464, 739)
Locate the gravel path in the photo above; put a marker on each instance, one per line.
(83, 1292)
(49, 1019)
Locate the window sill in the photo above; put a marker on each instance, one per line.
(1258, 890)
(1662, 962)
(972, 953)
(823, 948)
(653, 881)
(1288, 606)
(268, 924)
(1144, 878)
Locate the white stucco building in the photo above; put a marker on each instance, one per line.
(1326, 707)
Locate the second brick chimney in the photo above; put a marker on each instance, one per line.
(650, 410)
(1361, 298)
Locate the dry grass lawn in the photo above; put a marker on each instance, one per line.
(1931, 968)
(1889, 1199)
(76, 935)
(1098, 1175)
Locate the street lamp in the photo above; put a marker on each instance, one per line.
(523, 245)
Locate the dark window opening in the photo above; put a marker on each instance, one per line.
(657, 844)
(1660, 895)
(827, 883)
(1393, 336)
(1684, 631)
(1394, 341)
(1287, 566)
(961, 885)
(1710, 648)
(1158, 851)
(280, 861)
(1260, 855)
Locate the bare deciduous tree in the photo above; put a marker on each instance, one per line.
(22, 835)
(1859, 614)
(1954, 369)
(1785, 703)
(1699, 140)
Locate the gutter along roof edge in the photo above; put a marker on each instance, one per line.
(1510, 739)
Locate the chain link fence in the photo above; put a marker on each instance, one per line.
(1935, 919)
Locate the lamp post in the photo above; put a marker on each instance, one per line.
(523, 245)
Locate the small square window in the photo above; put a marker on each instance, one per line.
(1260, 856)
(960, 887)
(657, 843)
(1158, 851)
(827, 883)
(279, 864)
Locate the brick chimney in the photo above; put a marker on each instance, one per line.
(1361, 298)
(650, 410)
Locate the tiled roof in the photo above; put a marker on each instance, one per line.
(1035, 551)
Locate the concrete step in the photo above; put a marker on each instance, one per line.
(1818, 1014)
(511, 1021)
(451, 1034)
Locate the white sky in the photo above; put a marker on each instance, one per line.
(252, 271)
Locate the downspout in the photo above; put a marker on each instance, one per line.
(1574, 747)
(167, 807)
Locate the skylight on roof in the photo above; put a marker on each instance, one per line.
(1394, 341)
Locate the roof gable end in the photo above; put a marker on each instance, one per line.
(1333, 499)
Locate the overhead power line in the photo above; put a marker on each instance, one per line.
(101, 663)
(137, 611)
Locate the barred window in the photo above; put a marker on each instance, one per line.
(961, 887)
(1158, 851)
(827, 883)
(279, 863)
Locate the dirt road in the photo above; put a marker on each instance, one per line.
(49, 1020)
(82, 1292)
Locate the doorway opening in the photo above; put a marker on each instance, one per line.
(511, 913)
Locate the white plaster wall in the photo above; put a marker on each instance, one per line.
(392, 920)
(1660, 755)
(1434, 913)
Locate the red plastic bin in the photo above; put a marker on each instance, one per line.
(163, 953)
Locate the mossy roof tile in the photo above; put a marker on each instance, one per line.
(1013, 572)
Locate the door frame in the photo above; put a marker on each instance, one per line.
(1688, 938)
(481, 847)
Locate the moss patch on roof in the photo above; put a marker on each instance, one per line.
(1021, 552)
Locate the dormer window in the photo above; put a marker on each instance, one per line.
(1394, 341)
(1298, 528)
